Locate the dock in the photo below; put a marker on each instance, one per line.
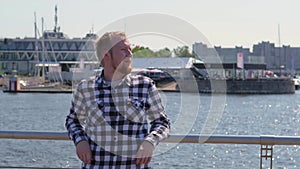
(220, 86)
(239, 86)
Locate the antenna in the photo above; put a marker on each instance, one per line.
(55, 20)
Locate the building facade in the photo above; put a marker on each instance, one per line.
(281, 60)
(29, 54)
(285, 59)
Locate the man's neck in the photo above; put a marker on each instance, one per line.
(112, 76)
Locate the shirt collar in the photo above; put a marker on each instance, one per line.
(100, 80)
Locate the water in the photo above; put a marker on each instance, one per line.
(242, 115)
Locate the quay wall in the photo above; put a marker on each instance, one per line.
(233, 86)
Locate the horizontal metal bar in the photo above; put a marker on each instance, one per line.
(236, 139)
(36, 135)
(212, 139)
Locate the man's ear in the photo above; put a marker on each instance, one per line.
(106, 56)
(104, 53)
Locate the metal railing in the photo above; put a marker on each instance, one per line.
(266, 141)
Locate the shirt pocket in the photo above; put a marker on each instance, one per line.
(135, 110)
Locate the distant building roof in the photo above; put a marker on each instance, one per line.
(176, 62)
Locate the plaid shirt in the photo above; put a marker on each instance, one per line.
(113, 118)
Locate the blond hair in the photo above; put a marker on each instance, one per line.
(105, 43)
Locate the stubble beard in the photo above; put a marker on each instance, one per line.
(123, 69)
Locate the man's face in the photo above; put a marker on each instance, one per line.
(121, 57)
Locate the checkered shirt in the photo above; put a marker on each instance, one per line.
(114, 118)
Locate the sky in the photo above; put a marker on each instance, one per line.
(225, 23)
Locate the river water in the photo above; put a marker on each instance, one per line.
(189, 114)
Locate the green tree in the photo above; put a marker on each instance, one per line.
(183, 52)
(137, 48)
(166, 52)
(145, 52)
(142, 52)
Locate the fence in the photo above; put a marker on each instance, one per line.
(266, 142)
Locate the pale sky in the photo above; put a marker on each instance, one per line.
(228, 23)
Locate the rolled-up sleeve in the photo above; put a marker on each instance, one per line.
(160, 123)
(76, 118)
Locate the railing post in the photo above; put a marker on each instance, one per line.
(266, 151)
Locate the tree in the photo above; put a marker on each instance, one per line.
(137, 48)
(142, 52)
(166, 52)
(183, 52)
(145, 52)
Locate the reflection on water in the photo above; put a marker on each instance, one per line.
(242, 115)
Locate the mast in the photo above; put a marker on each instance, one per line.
(281, 65)
(279, 42)
(43, 54)
(35, 28)
(42, 24)
(36, 72)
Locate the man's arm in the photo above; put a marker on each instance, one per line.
(76, 118)
(160, 126)
(160, 123)
(74, 122)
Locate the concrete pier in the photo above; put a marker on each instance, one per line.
(233, 86)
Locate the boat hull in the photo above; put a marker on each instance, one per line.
(233, 86)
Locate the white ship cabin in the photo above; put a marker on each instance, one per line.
(177, 67)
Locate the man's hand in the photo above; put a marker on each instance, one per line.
(144, 153)
(83, 151)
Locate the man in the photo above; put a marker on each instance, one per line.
(108, 119)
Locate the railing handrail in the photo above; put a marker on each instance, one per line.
(212, 139)
(266, 142)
